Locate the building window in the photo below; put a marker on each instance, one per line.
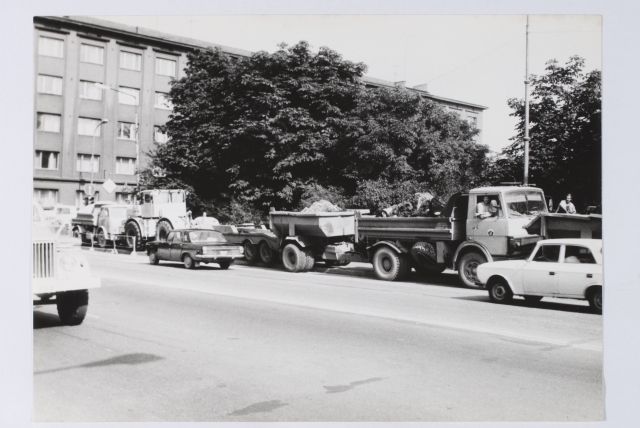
(48, 122)
(130, 61)
(162, 101)
(473, 121)
(126, 131)
(159, 136)
(83, 163)
(51, 47)
(46, 197)
(128, 96)
(92, 54)
(46, 160)
(49, 85)
(165, 67)
(88, 126)
(125, 166)
(88, 91)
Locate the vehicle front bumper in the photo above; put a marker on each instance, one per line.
(54, 285)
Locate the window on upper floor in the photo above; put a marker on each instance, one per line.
(49, 84)
(473, 121)
(166, 67)
(48, 122)
(46, 160)
(89, 91)
(88, 126)
(125, 166)
(162, 101)
(159, 136)
(83, 163)
(126, 131)
(48, 46)
(130, 61)
(129, 96)
(47, 198)
(91, 54)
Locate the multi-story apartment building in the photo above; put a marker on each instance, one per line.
(95, 83)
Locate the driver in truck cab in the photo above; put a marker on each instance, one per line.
(487, 209)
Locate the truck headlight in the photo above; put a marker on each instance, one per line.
(68, 263)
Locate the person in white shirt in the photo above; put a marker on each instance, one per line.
(484, 209)
(566, 206)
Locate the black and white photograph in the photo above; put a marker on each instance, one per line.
(318, 216)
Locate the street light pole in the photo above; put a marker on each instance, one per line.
(526, 111)
(93, 146)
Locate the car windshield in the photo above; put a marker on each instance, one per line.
(525, 203)
(206, 236)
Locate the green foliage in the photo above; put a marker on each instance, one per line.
(289, 128)
(566, 135)
(376, 195)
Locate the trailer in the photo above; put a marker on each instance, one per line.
(259, 243)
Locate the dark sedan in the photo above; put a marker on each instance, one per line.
(194, 246)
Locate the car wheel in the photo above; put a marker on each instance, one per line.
(224, 265)
(72, 306)
(293, 258)
(251, 255)
(188, 261)
(389, 265)
(267, 255)
(595, 300)
(153, 258)
(468, 268)
(532, 299)
(499, 292)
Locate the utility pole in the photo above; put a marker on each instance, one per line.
(526, 111)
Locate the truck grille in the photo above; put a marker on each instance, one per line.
(44, 255)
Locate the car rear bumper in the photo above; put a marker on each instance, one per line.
(212, 258)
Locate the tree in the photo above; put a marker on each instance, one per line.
(566, 134)
(280, 129)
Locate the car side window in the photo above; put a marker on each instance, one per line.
(185, 238)
(177, 237)
(547, 253)
(170, 236)
(578, 254)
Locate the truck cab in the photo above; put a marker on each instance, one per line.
(162, 203)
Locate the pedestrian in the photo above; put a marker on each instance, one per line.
(566, 206)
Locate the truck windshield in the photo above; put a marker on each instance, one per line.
(525, 203)
(206, 236)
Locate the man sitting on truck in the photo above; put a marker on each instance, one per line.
(484, 209)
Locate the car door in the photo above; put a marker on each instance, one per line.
(490, 231)
(163, 247)
(578, 270)
(176, 247)
(540, 273)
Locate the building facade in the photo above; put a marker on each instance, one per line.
(100, 93)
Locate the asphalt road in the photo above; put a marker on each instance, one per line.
(161, 343)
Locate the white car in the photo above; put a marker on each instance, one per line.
(568, 268)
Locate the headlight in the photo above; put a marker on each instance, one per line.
(68, 263)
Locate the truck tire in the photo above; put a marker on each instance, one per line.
(131, 231)
(77, 233)
(293, 258)
(425, 259)
(72, 306)
(267, 255)
(251, 253)
(162, 230)
(389, 265)
(310, 260)
(467, 268)
(101, 239)
(225, 264)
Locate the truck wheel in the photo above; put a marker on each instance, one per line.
(72, 306)
(595, 300)
(293, 259)
(468, 268)
(131, 231)
(224, 265)
(499, 292)
(425, 259)
(267, 255)
(310, 260)
(162, 230)
(389, 265)
(101, 239)
(250, 254)
(188, 261)
(77, 233)
(153, 258)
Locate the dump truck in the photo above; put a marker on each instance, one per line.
(459, 238)
(61, 273)
(260, 244)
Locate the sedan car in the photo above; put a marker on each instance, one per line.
(568, 268)
(193, 247)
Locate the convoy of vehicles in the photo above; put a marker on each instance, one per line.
(567, 268)
(193, 247)
(61, 273)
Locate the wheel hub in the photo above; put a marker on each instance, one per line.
(386, 264)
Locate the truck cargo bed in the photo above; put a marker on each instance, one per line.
(428, 228)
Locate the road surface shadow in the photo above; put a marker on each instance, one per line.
(45, 320)
(343, 388)
(127, 359)
(178, 265)
(552, 306)
(262, 407)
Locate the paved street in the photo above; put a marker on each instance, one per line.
(161, 343)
